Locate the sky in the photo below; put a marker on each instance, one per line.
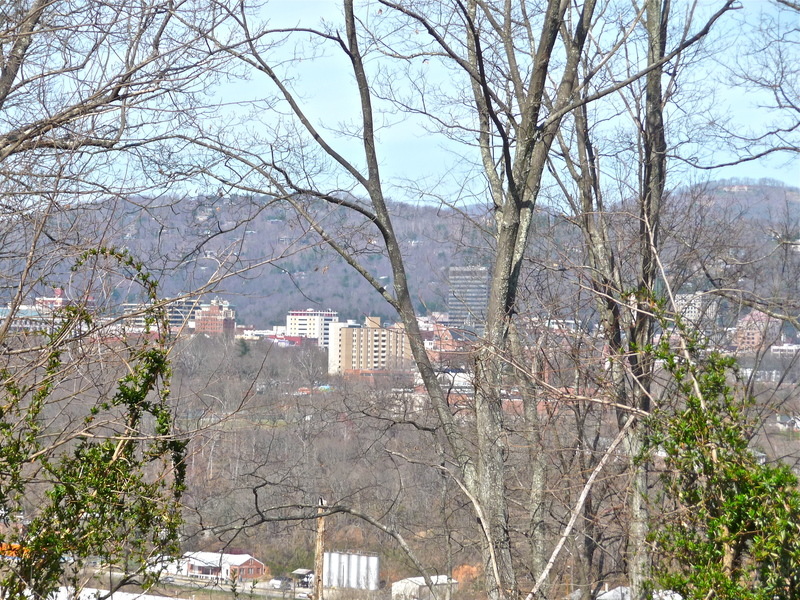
(409, 152)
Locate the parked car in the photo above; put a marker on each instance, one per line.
(280, 583)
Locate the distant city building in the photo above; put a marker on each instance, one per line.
(43, 315)
(180, 315)
(756, 330)
(26, 318)
(58, 300)
(785, 349)
(370, 347)
(49, 305)
(698, 309)
(216, 318)
(468, 297)
(449, 347)
(311, 323)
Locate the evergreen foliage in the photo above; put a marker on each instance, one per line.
(734, 533)
(110, 486)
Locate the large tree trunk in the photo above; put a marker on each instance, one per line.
(653, 184)
(515, 192)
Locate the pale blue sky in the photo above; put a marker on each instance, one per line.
(408, 151)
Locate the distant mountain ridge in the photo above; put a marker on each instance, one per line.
(268, 261)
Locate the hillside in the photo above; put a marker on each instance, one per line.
(266, 261)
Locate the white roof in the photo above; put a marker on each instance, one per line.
(217, 559)
(618, 593)
(624, 593)
(65, 593)
(435, 580)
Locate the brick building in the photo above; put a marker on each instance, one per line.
(215, 566)
(215, 319)
(756, 330)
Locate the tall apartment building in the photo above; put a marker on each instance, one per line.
(755, 331)
(216, 318)
(311, 323)
(468, 297)
(370, 347)
(698, 309)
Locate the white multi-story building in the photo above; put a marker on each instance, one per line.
(311, 323)
(698, 309)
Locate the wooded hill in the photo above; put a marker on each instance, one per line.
(265, 261)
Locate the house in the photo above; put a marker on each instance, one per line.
(414, 588)
(792, 423)
(214, 565)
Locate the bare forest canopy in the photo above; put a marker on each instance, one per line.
(269, 262)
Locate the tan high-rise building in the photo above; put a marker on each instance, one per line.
(367, 347)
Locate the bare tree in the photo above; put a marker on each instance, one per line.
(761, 70)
(90, 463)
(518, 72)
(529, 84)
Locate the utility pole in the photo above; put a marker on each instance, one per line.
(320, 550)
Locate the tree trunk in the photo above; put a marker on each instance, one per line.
(654, 180)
